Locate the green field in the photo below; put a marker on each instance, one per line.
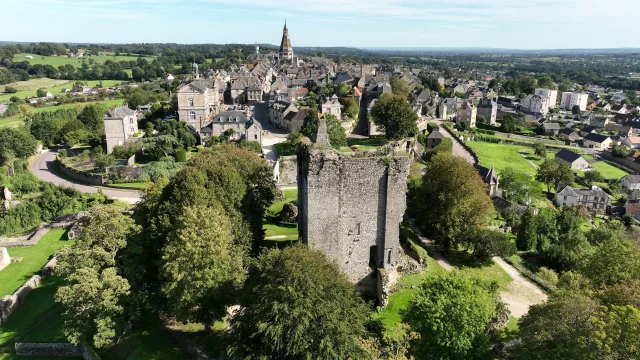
(56, 61)
(33, 258)
(501, 156)
(272, 228)
(16, 121)
(28, 89)
(609, 171)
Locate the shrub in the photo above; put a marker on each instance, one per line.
(251, 146)
(548, 275)
(14, 99)
(181, 155)
(10, 90)
(431, 126)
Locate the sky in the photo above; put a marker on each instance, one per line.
(513, 24)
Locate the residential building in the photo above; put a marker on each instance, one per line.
(536, 104)
(597, 141)
(332, 107)
(569, 134)
(594, 198)
(198, 101)
(120, 124)
(467, 113)
(570, 99)
(278, 110)
(551, 128)
(632, 142)
(550, 95)
(295, 120)
(434, 139)
(244, 128)
(575, 161)
(489, 109)
(631, 182)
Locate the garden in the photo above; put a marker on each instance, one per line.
(280, 223)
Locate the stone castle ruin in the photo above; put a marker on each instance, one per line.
(350, 207)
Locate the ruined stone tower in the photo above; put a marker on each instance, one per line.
(350, 207)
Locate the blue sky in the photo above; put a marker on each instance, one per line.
(517, 24)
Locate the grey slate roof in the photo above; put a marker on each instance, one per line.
(594, 191)
(568, 155)
(551, 126)
(436, 135)
(633, 179)
(119, 113)
(596, 137)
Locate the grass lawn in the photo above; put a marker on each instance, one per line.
(34, 257)
(609, 171)
(367, 143)
(501, 156)
(272, 228)
(38, 319)
(16, 121)
(56, 61)
(284, 150)
(53, 86)
(511, 331)
(11, 122)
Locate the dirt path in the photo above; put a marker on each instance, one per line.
(519, 295)
(524, 155)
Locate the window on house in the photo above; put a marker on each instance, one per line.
(192, 115)
(190, 102)
(131, 121)
(358, 229)
(132, 130)
(255, 137)
(373, 257)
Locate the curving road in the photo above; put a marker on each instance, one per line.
(43, 165)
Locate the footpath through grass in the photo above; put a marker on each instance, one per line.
(33, 258)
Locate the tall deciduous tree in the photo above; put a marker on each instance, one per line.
(517, 186)
(297, 305)
(393, 114)
(399, 86)
(615, 261)
(95, 296)
(201, 267)
(554, 174)
(452, 199)
(452, 313)
(92, 117)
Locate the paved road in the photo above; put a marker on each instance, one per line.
(271, 137)
(42, 168)
(458, 150)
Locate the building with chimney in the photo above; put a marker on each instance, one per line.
(120, 124)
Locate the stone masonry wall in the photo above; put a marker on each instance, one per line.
(48, 350)
(288, 170)
(351, 208)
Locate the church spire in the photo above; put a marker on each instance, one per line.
(286, 50)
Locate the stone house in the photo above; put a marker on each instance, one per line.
(254, 94)
(594, 199)
(295, 119)
(434, 139)
(575, 161)
(632, 142)
(198, 101)
(551, 128)
(332, 107)
(467, 113)
(597, 141)
(120, 125)
(489, 109)
(569, 134)
(278, 110)
(244, 128)
(490, 177)
(631, 182)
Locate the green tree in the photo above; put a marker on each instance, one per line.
(393, 114)
(615, 333)
(575, 110)
(540, 150)
(452, 199)
(452, 313)
(17, 142)
(343, 90)
(592, 176)
(517, 186)
(555, 175)
(92, 117)
(614, 261)
(95, 296)
(399, 86)
(526, 237)
(335, 131)
(481, 119)
(508, 124)
(351, 109)
(488, 243)
(298, 305)
(102, 162)
(199, 285)
(41, 93)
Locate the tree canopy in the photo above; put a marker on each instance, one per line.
(297, 305)
(393, 114)
(335, 131)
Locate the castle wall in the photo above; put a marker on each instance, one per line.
(351, 208)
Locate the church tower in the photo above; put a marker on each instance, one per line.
(194, 71)
(286, 51)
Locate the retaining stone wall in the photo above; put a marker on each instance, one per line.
(80, 175)
(48, 350)
(10, 302)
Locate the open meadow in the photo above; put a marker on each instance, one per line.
(56, 61)
(28, 89)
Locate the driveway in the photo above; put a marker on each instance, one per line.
(458, 150)
(43, 168)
